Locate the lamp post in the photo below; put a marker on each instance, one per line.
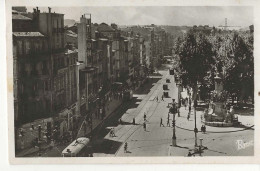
(195, 119)
(172, 111)
(173, 135)
(178, 83)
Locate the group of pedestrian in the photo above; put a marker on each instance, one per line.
(118, 95)
(156, 98)
(112, 132)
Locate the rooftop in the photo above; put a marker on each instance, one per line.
(28, 34)
(103, 39)
(103, 27)
(17, 16)
(71, 51)
(71, 33)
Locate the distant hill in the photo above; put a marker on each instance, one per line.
(175, 31)
(69, 22)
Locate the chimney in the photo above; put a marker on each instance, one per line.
(34, 10)
(49, 9)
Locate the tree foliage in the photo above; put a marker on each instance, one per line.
(198, 57)
(194, 57)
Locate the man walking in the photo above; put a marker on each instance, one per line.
(145, 117)
(125, 148)
(161, 123)
(144, 125)
(168, 121)
(186, 102)
(162, 98)
(189, 109)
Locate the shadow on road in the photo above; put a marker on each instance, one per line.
(102, 145)
(146, 88)
(107, 146)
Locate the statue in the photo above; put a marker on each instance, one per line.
(217, 109)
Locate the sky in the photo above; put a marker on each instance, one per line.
(161, 15)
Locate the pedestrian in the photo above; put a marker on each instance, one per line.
(162, 98)
(100, 113)
(157, 98)
(178, 110)
(21, 132)
(168, 121)
(125, 148)
(110, 133)
(32, 126)
(188, 117)
(186, 102)
(189, 109)
(120, 121)
(201, 129)
(145, 117)
(161, 123)
(204, 129)
(144, 125)
(113, 132)
(133, 121)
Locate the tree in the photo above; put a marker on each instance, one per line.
(194, 57)
(240, 73)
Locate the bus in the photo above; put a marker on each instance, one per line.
(78, 148)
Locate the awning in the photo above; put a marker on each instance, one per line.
(118, 83)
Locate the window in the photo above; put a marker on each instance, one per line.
(46, 85)
(27, 47)
(88, 52)
(57, 25)
(20, 47)
(55, 86)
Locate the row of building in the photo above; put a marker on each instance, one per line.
(71, 72)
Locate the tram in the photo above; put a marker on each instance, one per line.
(78, 148)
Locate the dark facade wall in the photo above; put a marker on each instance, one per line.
(52, 25)
(22, 26)
(34, 82)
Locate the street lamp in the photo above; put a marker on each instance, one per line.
(172, 111)
(178, 83)
(195, 119)
(174, 135)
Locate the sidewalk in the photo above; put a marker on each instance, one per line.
(110, 108)
(46, 150)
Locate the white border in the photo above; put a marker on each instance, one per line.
(106, 160)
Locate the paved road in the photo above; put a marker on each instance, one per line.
(156, 140)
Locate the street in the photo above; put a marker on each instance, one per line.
(156, 140)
